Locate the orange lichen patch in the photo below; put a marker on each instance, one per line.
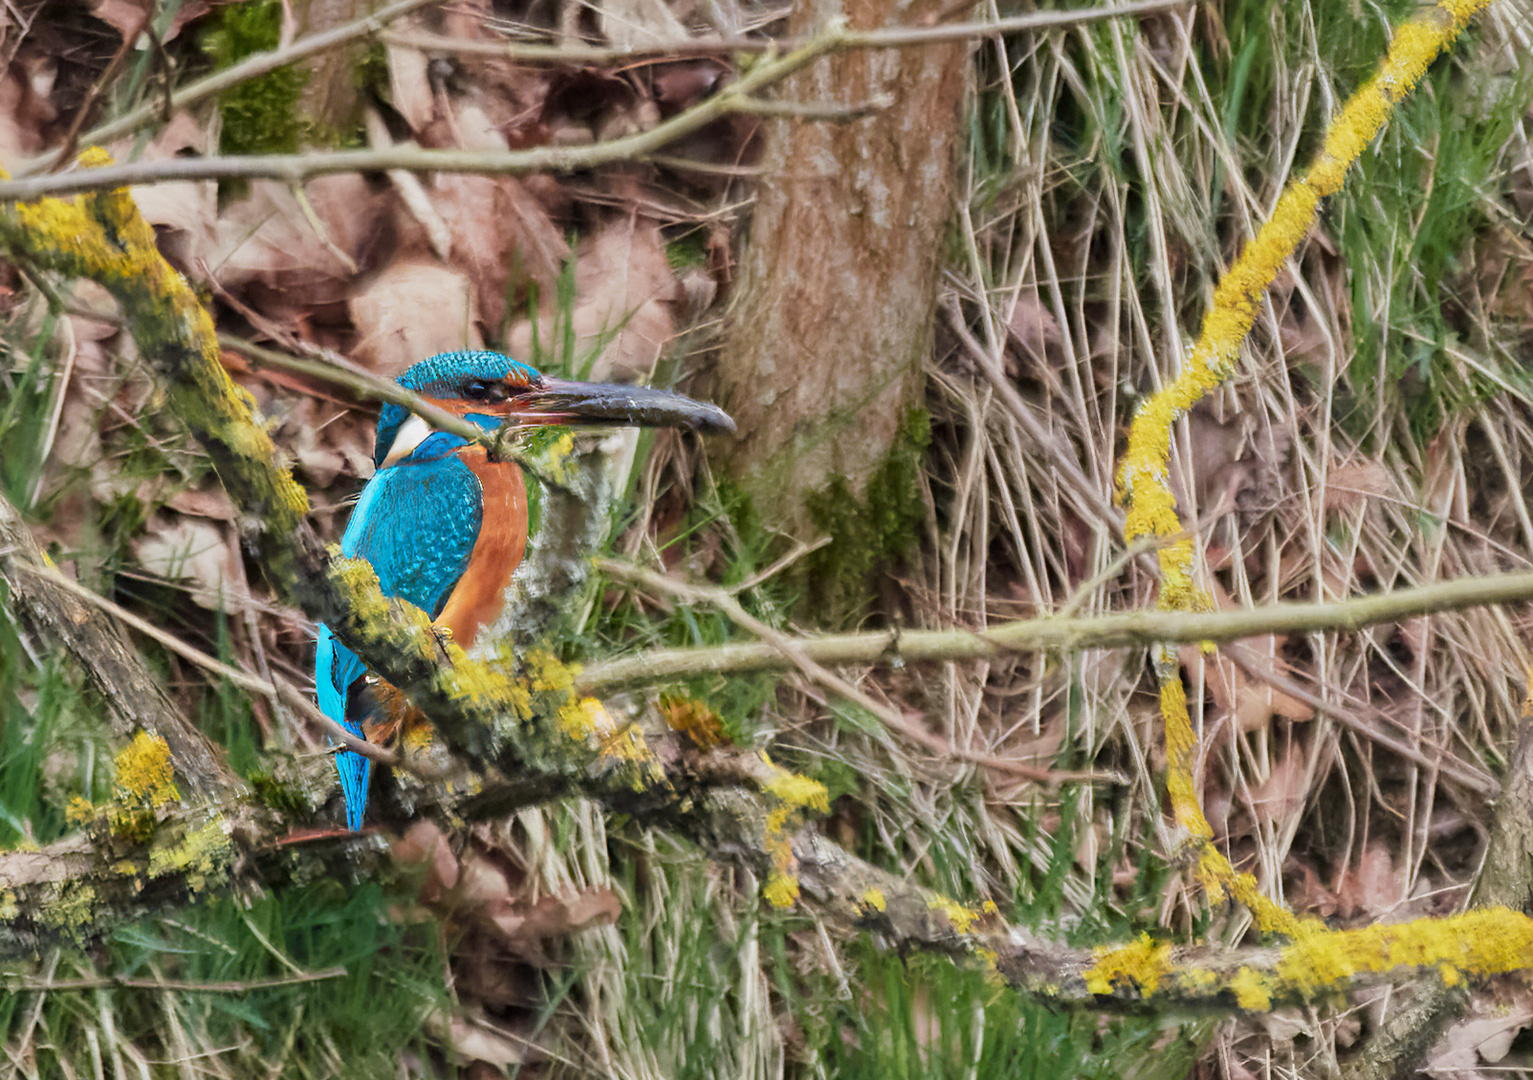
(695, 720)
(1142, 965)
(144, 771)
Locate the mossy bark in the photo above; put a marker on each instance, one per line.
(833, 316)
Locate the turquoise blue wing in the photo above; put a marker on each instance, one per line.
(416, 523)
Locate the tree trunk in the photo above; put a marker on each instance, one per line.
(834, 310)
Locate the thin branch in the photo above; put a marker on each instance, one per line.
(296, 168)
(886, 38)
(49, 606)
(247, 69)
(1133, 628)
(791, 650)
(17, 985)
(242, 679)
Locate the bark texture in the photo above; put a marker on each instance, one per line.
(833, 316)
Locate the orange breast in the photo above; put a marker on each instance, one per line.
(498, 551)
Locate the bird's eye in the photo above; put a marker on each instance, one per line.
(479, 390)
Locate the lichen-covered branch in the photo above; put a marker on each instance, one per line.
(134, 697)
(1143, 478)
(482, 713)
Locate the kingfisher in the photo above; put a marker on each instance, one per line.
(444, 520)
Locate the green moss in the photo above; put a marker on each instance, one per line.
(869, 533)
(261, 115)
(71, 910)
(280, 795)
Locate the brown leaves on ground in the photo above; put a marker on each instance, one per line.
(479, 890)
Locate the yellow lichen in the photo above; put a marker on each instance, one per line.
(197, 858)
(1489, 941)
(144, 771)
(71, 909)
(797, 792)
(790, 798)
(961, 917)
(80, 811)
(1140, 965)
(1252, 990)
(874, 898)
(781, 890)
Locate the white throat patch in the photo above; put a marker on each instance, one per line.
(411, 434)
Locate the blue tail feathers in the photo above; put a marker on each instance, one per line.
(336, 668)
(355, 770)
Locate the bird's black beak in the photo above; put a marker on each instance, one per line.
(617, 404)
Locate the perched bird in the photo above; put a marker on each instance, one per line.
(444, 523)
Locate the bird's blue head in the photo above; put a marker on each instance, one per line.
(490, 389)
(459, 382)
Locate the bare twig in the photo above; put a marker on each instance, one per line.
(245, 70)
(1136, 628)
(296, 168)
(791, 649)
(211, 664)
(885, 38)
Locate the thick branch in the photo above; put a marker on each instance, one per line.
(134, 696)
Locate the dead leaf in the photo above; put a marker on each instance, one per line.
(268, 239)
(1251, 702)
(1032, 328)
(495, 228)
(682, 84)
(1372, 887)
(1235, 465)
(26, 105)
(213, 503)
(1282, 795)
(411, 310)
(197, 552)
(1483, 1037)
(624, 290)
(639, 24)
(477, 1041)
(1353, 482)
(410, 83)
(424, 843)
(130, 17)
